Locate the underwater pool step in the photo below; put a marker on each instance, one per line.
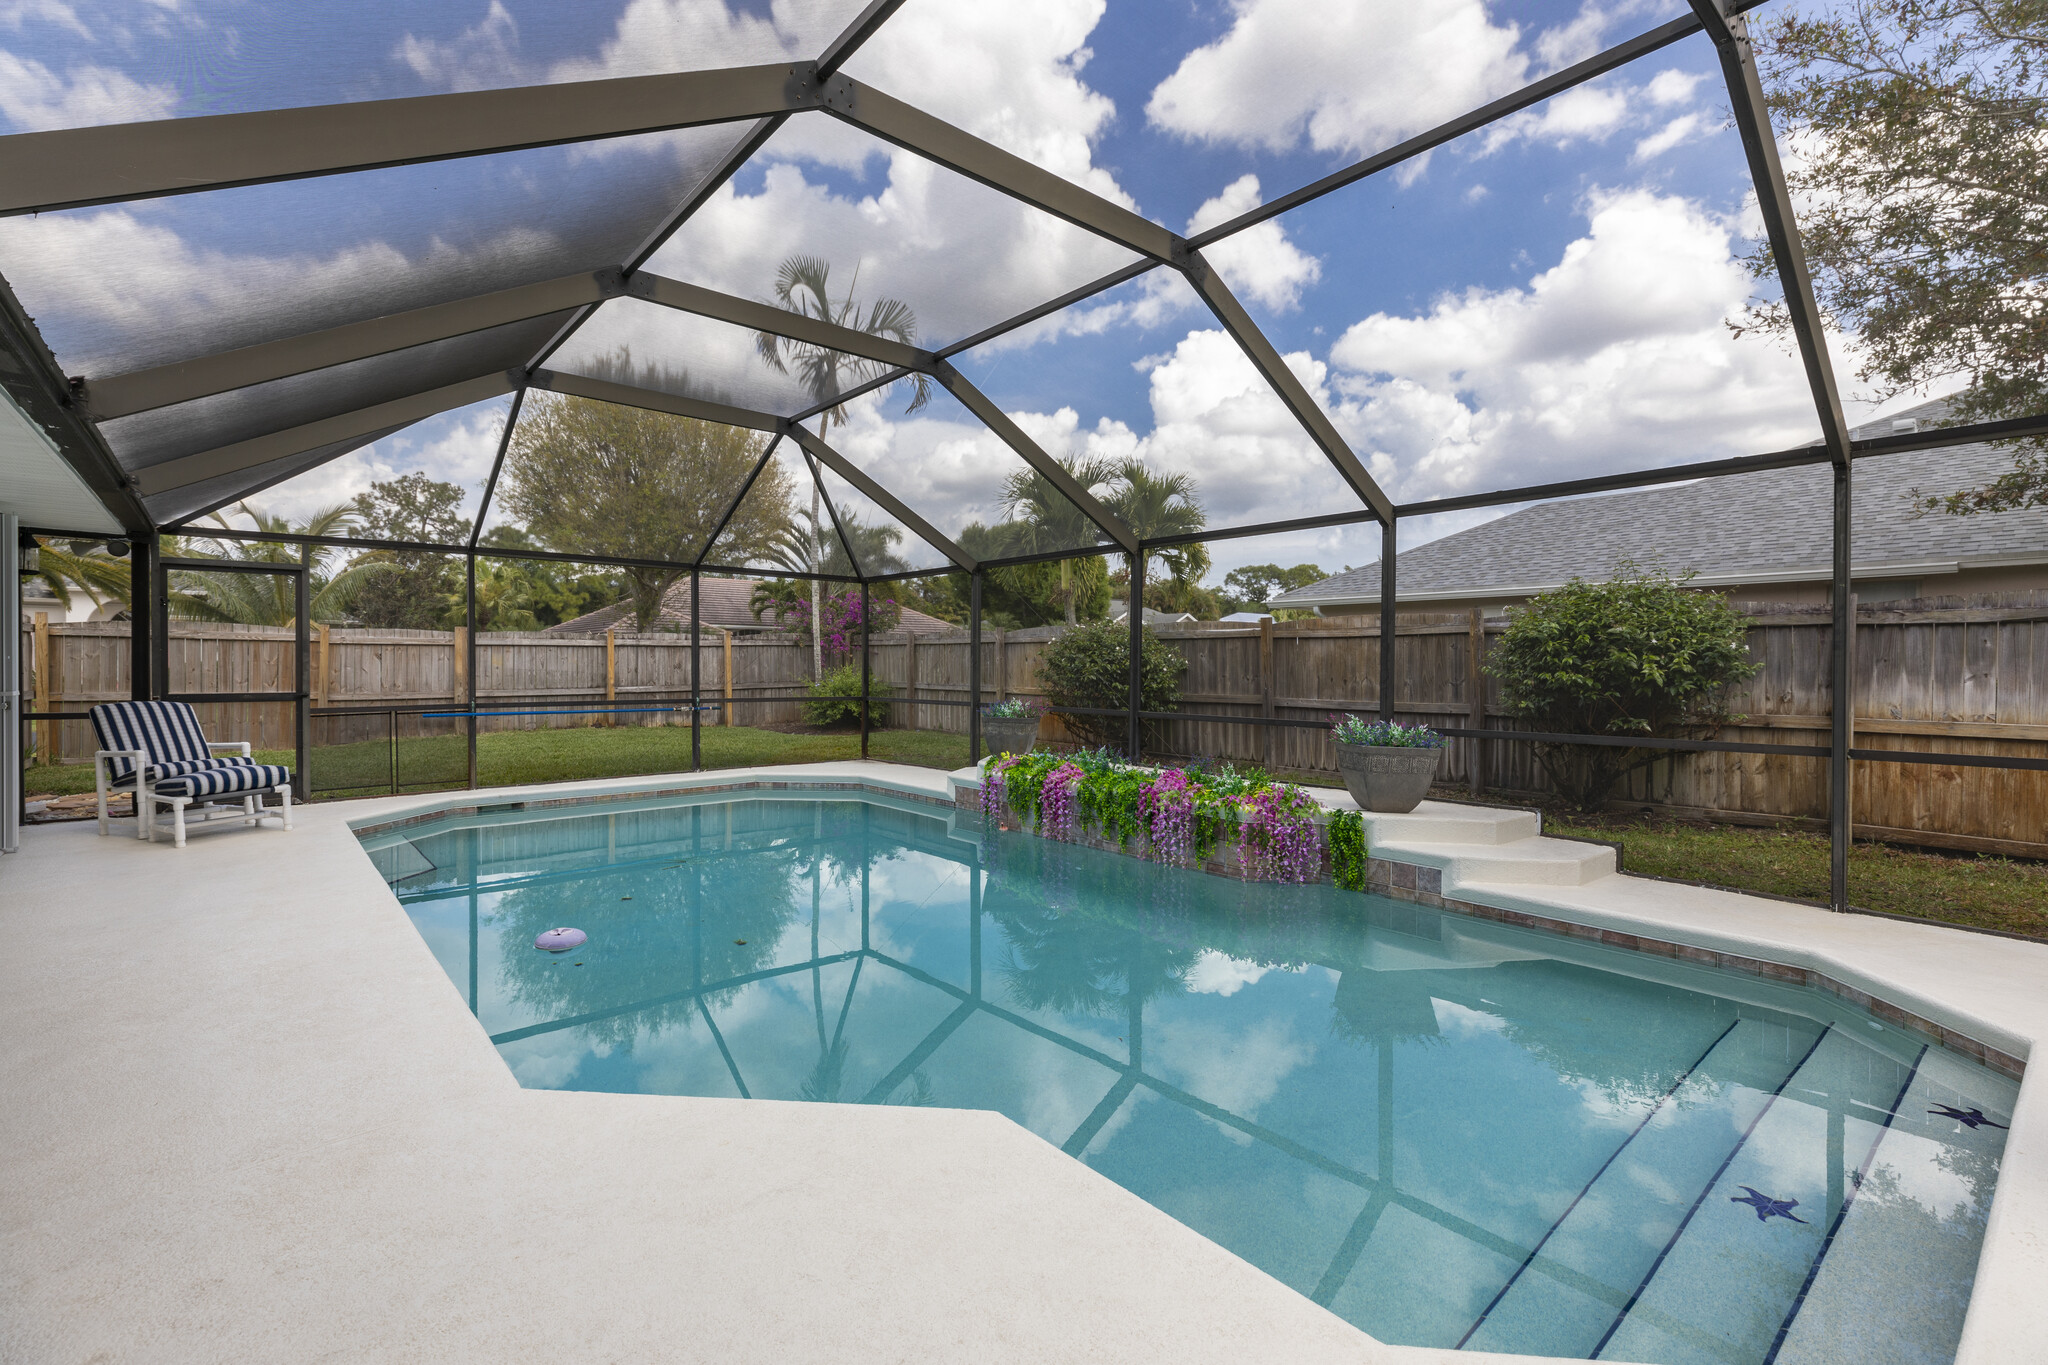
(1581, 1276)
(1729, 1279)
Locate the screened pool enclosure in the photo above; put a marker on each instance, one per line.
(514, 241)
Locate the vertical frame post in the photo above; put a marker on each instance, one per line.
(469, 643)
(1134, 742)
(157, 605)
(302, 650)
(1389, 618)
(696, 663)
(12, 800)
(974, 667)
(864, 608)
(142, 652)
(1842, 707)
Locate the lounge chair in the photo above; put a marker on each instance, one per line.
(158, 748)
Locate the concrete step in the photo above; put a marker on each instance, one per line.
(1441, 822)
(1532, 860)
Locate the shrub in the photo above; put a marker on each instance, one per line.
(1640, 654)
(835, 698)
(1090, 666)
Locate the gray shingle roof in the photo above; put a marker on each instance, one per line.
(1770, 526)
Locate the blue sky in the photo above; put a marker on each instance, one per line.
(1543, 299)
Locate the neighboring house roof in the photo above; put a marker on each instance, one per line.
(726, 605)
(1248, 617)
(1118, 612)
(1773, 526)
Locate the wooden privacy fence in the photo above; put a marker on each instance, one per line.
(1961, 679)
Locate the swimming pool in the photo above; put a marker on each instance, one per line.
(1447, 1131)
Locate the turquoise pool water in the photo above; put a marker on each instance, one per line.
(1446, 1131)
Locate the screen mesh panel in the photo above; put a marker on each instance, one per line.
(127, 287)
(279, 54)
(889, 225)
(150, 438)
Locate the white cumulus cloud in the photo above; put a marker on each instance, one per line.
(1619, 355)
(34, 98)
(1258, 261)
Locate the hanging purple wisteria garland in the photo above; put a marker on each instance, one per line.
(1279, 840)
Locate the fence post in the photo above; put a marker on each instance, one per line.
(910, 680)
(611, 673)
(46, 687)
(728, 676)
(974, 667)
(1266, 690)
(1475, 700)
(1002, 664)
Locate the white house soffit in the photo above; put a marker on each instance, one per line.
(38, 485)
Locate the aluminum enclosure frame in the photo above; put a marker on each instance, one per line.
(115, 163)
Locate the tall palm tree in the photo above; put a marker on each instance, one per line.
(1047, 520)
(1155, 505)
(804, 285)
(261, 599)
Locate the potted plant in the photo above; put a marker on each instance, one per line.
(1387, 766)
(1010, 726)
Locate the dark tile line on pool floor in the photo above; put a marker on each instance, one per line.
(1387, 877)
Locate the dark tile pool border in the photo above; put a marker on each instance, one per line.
(1423, 885)
(519, 803)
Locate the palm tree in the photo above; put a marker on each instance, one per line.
(262, 599)
(1156, 505)
(804, 285)
(96, 573)
(1048, 520)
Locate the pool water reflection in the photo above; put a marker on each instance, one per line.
(1446, 1131)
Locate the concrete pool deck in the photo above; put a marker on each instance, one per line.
(250, 1118)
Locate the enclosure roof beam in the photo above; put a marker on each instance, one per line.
(936, 140)
(183, 380)
(765, 317)
(1291, 390)
(30, 376)
(838, 526)
(1730, 34)
(260, 450)
(633, 396)
(879, 495)
(73, 167)
(842, 48)
(739, 496)
(1012, 435)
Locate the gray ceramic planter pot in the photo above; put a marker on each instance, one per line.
(1009, 736)
(1387, 779)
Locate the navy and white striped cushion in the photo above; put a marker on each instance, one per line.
(168, 731)
(226, 779)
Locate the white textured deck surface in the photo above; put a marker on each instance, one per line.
(248, 1118)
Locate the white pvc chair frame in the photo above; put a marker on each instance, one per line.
(147, 800)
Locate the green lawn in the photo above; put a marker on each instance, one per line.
(1987, 892)
(516, 757)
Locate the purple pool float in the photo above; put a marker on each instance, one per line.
(561, 940)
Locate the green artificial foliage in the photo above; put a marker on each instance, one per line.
(835, 698)
(1637, 655)
(1345, 835)
(1090, 666)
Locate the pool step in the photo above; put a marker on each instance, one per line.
(1726, 1283)
(1442, 822)
(1580, 1278)
(1534, 860)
